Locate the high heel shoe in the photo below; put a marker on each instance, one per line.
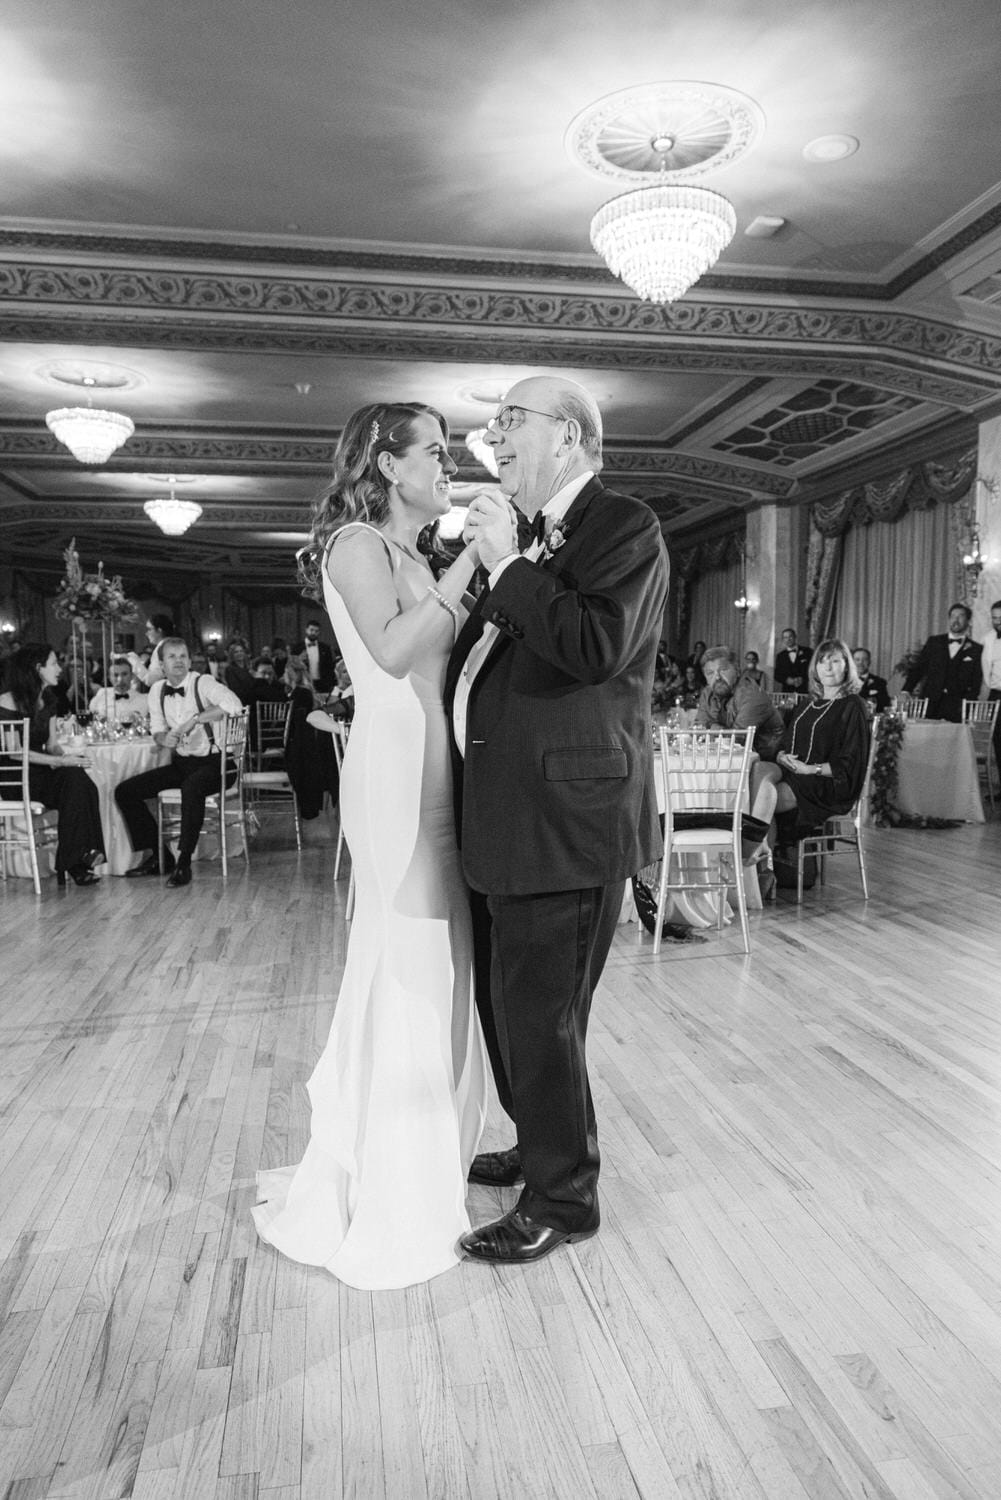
(80, 874)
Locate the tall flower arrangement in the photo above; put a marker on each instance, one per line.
(83, 597)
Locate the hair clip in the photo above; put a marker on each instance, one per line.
(373, 432)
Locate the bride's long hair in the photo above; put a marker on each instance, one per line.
(358, 490)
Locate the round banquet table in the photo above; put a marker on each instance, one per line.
(937, 771)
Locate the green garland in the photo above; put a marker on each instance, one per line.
(889, 731)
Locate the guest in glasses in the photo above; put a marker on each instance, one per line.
(185, 712)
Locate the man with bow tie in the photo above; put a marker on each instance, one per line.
(548, 693)
(122, 700)
(181, 705)
(990, 665)
(948, 667)
(792, 664)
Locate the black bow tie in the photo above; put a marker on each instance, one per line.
(119, 696)
(172, 692)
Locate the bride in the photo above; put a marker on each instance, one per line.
(399, 1094)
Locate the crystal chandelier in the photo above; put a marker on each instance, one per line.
(173, 516)
(660, 240)
(661, 237)
(91, 435)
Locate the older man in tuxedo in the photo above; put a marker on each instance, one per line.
(549, 695)
(948, 668)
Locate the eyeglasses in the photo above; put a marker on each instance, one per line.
(506, 419)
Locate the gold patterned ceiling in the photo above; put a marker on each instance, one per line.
(268, 215)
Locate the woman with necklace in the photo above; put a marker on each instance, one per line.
(821, 761)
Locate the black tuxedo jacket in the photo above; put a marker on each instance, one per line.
(556, 792)
(875, 691)
(789, 665)
(946, 679)
(328, 677)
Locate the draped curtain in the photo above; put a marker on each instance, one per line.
(711, 615)
(897, 582)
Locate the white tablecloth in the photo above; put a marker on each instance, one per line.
(110, 764)
(937, 771)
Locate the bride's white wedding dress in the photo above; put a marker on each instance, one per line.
(399, 1094)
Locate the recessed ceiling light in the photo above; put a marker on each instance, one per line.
(764, 226)
(828, 148)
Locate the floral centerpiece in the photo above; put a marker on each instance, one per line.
(85, 597)
(91, 596)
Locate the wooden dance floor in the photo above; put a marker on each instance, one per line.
(796, 1291)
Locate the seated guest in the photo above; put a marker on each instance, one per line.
(732, 700)
(279, 655)
(691, 687)
(341, 700)
(180, 706)
(791, 665)
(872, 689)
(57, 778)
(695, 657)
(267, 688)
(122, 700)
(148, 670)
(821, 762)
(947, 668)
(236, 673)
(752, 669)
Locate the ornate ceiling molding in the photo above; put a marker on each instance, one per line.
(211, 310)
(33, 447)
(407, 262)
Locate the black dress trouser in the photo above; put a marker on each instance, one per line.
(546, 955)
(198, 777)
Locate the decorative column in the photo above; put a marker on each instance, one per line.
(988, 506)
(775, 572)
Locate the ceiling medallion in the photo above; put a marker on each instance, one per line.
(681, 128)
(660, 238)
(91, 434)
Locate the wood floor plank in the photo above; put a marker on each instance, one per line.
(795, 1294)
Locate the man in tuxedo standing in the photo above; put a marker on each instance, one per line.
(873, 688)
(548, 692)
(791, 665)
(948, 667)
(990, 665)
(319, 659)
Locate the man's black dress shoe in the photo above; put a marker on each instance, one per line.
(497, 1168)
(180, 876)
(516, 1239)
(151, 866)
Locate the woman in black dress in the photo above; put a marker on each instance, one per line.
(58, 780)
(823, 754)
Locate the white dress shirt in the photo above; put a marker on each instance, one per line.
(107, 705)
(991, 661)
(554, 510)
(313, 658)
(166, 712)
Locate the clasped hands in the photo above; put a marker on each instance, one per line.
(793, 763)
(491, 526)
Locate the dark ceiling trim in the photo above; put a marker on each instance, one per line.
(397, 262)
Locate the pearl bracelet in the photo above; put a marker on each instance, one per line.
(440, 599)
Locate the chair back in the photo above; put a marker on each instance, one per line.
(704, 771)
(234, 747)
(269, 737)
(14, 760)
(911, 708)
(981, 711)
(341, 730)
(785, 700)
(17, 811)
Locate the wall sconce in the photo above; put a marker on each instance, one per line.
(8, 629)
(742, 602)
(973, 558)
